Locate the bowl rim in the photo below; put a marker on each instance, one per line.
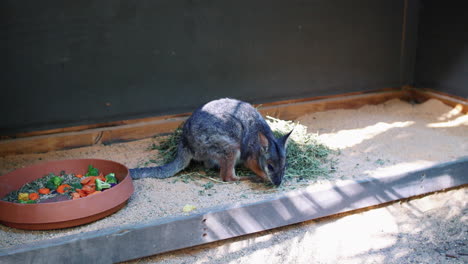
(55, 212)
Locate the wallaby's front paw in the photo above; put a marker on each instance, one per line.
(236, 178)
(229, 178)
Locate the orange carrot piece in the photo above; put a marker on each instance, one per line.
(95, 192)
(33, 196)
(44, 190)
(63, 188)
(81, 193)
(91, 180)
(75, 195)
(86, 180)
(88, 189)
(79, 175)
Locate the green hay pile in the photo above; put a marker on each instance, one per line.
(306, 158)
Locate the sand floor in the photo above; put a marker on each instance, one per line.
(373, 141)
(429, 230)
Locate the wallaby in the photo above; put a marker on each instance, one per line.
(221, 134)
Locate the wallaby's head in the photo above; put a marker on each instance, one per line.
(272, 158)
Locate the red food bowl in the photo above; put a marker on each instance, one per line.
(55, 215)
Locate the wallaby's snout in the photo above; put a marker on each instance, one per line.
(273, 157)
(277, 179)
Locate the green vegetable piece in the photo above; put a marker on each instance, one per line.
(27, 202)
(51, 185)
(101, 185)
(54, 182)
(76, 185)
(57, 181)
(92, 171)
(110, 178)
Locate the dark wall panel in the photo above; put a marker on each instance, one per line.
(442, 52)
(67, 63)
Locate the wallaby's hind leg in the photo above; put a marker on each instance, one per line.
(227, 167)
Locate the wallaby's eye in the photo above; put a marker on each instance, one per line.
(270, 167)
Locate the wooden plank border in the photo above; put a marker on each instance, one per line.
(169, 117)
(89, 137)
(421, 95)
(50, 140)
(140, 240)
(127, 130)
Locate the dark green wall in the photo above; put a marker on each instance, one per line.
(76, 62)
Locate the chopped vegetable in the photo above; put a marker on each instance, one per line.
(63, 188)
(33, 196)
(110, 178)
(27, 202)
(23, 196)
(57, 180)
(50, 185)
(81, 193)
(54, 182)
(65, 185)
(101, 177)
(75, 195)
(88, 189)
(100, 185)
(44, 190)
(76, 185)
(91, 180)
(92, 171)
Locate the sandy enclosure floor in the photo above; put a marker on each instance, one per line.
(432, 230)
(373, 141)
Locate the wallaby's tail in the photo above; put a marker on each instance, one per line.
(181, 161)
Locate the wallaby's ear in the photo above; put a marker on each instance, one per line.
(263, 140)
(284, 139)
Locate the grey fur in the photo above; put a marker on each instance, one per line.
(223, 133)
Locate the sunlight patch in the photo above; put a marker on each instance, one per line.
(459, 121)
(351, 137)
(452, 113)
(399, 168)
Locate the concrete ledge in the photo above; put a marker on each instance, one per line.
(135, 241)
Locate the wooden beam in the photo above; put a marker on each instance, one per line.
(93, 126)
(44, 141)
(168, 234)
(89, 137)
(421, 95)
(290, 110)
(126, 130)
